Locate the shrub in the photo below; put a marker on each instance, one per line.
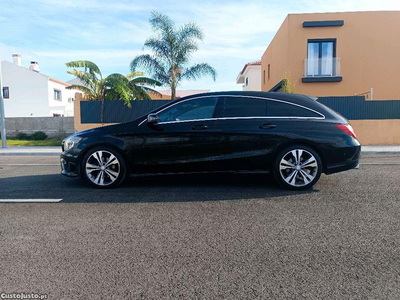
(22, 136)
(39, 136)
(287, 85)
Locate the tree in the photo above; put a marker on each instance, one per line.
(114, 87)
(172, 49)
(287, 85)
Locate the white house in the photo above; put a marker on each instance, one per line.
(250, 76)
(29, 93)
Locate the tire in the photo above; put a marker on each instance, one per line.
(103, 167)
(294, 173)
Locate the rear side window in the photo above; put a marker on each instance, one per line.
(244, 107)
(281, 109)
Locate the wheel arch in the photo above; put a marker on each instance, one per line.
(95, 145)
(306, 143)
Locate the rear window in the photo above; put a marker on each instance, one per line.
(242, 107)
(281, 109)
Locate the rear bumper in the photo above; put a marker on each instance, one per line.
(69, 165)
(342, 167)
(352, 160)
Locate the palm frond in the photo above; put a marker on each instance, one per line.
(80, 88)
(199, 70)
(162, 23)
(86, 78)
(189, 31)
(92, 67)
(159, 47)
(145, 81)
(151, 91)
(152, 65)
(139, 93)
(134, 74)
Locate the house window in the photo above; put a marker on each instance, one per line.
(321, 56)
(57, 95)
(247, 81)
(269, 72)
(6, 92)
(264, 77)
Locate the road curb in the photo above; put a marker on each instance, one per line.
(30, 154)
(380, 152)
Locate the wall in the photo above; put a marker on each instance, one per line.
(53, 127)
(32, 93)
(377, 132)
(254, 75)
(28, 92)
(62, 107)
(367, 44)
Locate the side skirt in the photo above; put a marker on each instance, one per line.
(204, 172)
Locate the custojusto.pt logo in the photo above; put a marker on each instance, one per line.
(13, 296)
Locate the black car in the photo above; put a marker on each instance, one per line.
(291, 136)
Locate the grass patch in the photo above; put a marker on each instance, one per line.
(22, 143)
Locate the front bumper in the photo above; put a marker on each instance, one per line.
(69, 165)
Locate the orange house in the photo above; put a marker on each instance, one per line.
(336, 54)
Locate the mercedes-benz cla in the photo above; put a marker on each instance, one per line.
(294, 137)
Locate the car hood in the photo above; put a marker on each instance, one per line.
(104, 130)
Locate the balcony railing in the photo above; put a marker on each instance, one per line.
(322, 67)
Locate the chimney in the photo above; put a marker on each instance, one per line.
(17, 59)
(34, 66)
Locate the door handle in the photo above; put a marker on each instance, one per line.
(267, 126)
(199, 127)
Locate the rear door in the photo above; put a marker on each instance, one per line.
(248, 135)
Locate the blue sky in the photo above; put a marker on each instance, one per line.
(112, 33)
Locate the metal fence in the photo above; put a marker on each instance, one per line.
(356, 108)
(116, 111)
(352, 108)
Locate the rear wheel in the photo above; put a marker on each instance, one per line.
(297, 167)
(103, 167)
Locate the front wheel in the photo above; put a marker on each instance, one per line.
(297, 168)
(103, 167)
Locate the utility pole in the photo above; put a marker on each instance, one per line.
(2, 113)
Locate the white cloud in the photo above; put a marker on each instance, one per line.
(111, 33)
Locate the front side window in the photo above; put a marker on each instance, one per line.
(6, 93)
(57, 95)
(244, 107)
(321, 57)
(196, 109)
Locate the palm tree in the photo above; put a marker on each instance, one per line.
(114, 87)
(172, 49)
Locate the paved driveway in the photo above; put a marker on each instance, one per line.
(201, 237)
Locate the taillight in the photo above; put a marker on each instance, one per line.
(347, 129)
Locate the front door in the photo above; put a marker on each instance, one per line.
(184, 140)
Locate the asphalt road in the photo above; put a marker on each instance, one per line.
(201, 237)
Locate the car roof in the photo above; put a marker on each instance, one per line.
(294, 98)
(308, 101)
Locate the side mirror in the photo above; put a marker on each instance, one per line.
(152, 119)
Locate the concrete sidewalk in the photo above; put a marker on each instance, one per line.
(45, 151)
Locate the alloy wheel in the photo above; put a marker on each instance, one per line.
(298, 168)
(102, 168)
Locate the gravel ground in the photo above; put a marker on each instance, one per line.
(201, 237)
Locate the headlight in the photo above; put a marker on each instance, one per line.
(69, 142)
